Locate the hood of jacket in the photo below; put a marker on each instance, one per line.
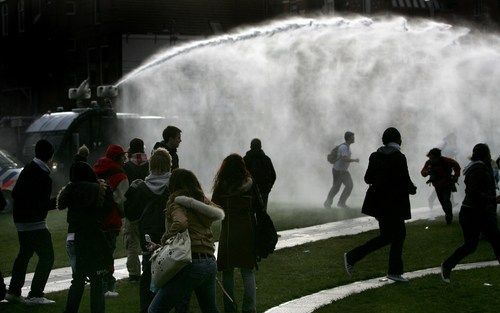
(105, 164)
(473, 165)
(158, 183)
(255, 152)
(138, 158)
(207, 208)
(390, 148)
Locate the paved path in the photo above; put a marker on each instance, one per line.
(311, 303)
(60, 279)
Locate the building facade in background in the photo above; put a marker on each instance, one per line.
(48, 46)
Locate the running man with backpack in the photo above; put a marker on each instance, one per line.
(340, 157)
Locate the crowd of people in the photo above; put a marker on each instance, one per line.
(387, 199)
(152, 200)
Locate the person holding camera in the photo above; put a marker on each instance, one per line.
(387, 199)
(443, 174)
(146, 200)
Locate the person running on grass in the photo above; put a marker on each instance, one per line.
(478, 213)
(387, 199)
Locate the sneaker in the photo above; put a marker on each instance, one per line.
(14, 299)
(38, 300)
(343, 206)
(397, 278)
(349, 268)
(111, 294)
(445, 273)
(327, 205)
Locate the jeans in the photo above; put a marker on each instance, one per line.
(70, 250)
(109, 281)
(392, 232)
(145, 294)
(131, 239)
(77, 287)
(199, 276)
(39, 242)
(249, 290)
(473, 224)
(339, 178)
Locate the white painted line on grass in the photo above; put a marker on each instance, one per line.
(311, 303)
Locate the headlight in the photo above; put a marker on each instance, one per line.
(54, 166)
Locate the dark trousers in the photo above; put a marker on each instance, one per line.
(392, 232)
(339, 178)
(109, 281)
(39, 242)
(3, 289)
(77, 287)
(444, 197)
(145, 294)
(472, 226)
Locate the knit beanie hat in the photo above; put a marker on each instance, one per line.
(114, 152)
(160, 162)
(81, 172)
(391, 134)
(44, 150)
(136, 146)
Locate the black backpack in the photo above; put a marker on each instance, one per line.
(151, 218)
(332, 157)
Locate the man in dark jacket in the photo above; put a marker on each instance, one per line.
(32, 202)
(439, 169)
(478, 213)
(137, 167)
(146, 200)
(387, 200)
(171, 141)
(261, 168)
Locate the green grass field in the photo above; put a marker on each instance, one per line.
(302, 270)
(286, 216)
(470, 291)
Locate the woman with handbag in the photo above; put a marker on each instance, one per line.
(189, 211)
(239, 197)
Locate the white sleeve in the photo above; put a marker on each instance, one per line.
(344, 151)
(119, 193)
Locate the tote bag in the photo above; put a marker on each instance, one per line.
(167, 261)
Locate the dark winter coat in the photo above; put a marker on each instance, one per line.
(440, 172)
(261, 168)
(172, 151)
(88, 204)
(148, 207)
(480, 189)
(237, 238)
(31, 195)
(137, 167)
(390, 185)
